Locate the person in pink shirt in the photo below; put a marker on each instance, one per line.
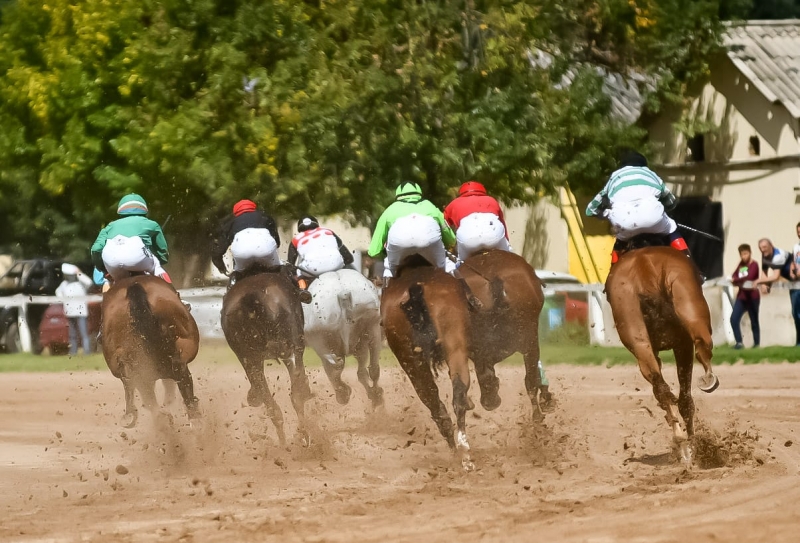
(748, 298)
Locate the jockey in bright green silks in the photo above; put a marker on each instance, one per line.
(411, 225)
(132, 243)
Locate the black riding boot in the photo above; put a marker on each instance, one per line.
(304, 295)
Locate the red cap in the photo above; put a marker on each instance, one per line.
(471, 187)
(243, 206)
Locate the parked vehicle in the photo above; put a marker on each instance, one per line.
(36, 277)
(54, 328)
(562, 307)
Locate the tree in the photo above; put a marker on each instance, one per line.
(317, 106)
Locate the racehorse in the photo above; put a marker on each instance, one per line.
(426, 319)
(508, 321)
(262, 319)
(344, 319)
(658, 304)
(148, 334)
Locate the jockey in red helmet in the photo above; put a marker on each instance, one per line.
(478, 221)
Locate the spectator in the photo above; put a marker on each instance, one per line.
(75, 284)
(748, 298)
(775, 263)
(794, 294)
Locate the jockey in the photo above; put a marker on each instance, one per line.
(410, 226)
(132, 243)
(316, 250)
(478, 221)
(635, 201)
(253, 240)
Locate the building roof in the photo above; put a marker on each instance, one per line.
(768, 55)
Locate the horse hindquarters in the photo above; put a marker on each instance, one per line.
(692, 311)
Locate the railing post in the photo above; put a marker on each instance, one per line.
(597, 325)
(22, 327)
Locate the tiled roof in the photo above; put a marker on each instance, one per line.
(768, 54)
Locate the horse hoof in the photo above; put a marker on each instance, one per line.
(343, 394)
(490, 402)
(685, 452)
(129, 420)
(467, 463)
(305, 440)
(708, 383)
(377, 397)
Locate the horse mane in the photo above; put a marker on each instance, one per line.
(157, 344)
(412, 261)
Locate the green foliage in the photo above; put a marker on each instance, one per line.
(315, 106)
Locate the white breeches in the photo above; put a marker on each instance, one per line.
(316, 263)
(123, 255)
(254, 246)
(414, 234)
(479, 232)
(646, 216)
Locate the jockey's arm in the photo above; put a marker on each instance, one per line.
(272, 227)
(668, 199)
(160, 245)
(598, 204)
(378, 243)
(502, 219)
(347, 256)
(219, 246)
(448, 236)
(291, 256)
(97, 249)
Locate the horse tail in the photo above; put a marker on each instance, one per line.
(423, 330)
(157, 344)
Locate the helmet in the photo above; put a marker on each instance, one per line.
(629, 157)
(132, 204)
(309, 222)
(471, 187)
(69, 269)
(407, 190)
(243, 206)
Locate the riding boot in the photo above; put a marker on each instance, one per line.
(474, 303)
(232, 278)
(304, 295)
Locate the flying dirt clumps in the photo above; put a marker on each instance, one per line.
(732, 447)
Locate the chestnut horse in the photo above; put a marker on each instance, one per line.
(263, 320)
(658, 304)
(148, 334)
(426, 319)
(512, 299)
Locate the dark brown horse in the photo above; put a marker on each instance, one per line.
(658, 305)
(512, 299)
(148, 334)
(426, 318)
(263, 320)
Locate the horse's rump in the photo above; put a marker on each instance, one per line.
(423, 330)
(341, 293)
(154, 334)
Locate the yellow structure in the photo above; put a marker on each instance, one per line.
(589, 256)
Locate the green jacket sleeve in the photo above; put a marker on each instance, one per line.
(599, 201)
(376, 246)
(448, 236)
(159, 244)
(97, 249)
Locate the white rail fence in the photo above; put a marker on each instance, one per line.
(777, 324)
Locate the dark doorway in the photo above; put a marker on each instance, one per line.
(704, 215)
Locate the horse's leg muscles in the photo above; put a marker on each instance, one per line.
(684, 360)
(257, 395)
(368, 376)
(697, 323)
(488, 383)
(186, 386)
(459, 374)
(131, 413)
(334, 365)
(533, 380)
(650, 366)
(274, 413)
(300, 391)
(422, 380)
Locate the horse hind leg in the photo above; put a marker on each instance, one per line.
(300, 391)
(695, 321)
(684, 360)
(489, 385)
(424, 384)
(334, 366)
(533, 382)
(185, 383)
(131, 412)
(650, 366)
(368, 376)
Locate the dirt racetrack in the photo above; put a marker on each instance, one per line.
(599, 470)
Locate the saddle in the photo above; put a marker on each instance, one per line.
(641, 241)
